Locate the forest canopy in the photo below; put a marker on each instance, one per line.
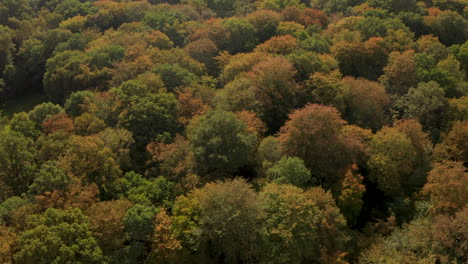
(233, 131)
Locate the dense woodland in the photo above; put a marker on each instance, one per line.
(234, 131)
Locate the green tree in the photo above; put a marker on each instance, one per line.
(88, 124)
(74, 106)
(21, 124)
(300, 226)
(138, 222)
(65, 73)
(155, 191)
(392, 161)
(58, 236)
(49, 178)
(7, 47)
(241, 34)
(17, 156)
(289, 232)
(151, 116)
(426, 103)
(290, 170)
(228, 220)
(173, 75)
(449, 26)
(220, 143)
(44, 111)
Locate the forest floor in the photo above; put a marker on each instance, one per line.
(23, 103)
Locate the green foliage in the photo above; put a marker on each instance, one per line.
(65, 73)
(43, 111)
(241, 34)
(9, 205)
(174, 75)
(7, 47)
(290, 170)
(300, 226)
(151, 116)
(426, 103)
(106, 56)
(21, 124)
(58, 236)
(230, 232)
(156, 191)
(392, 160)
(17, 156)
(49, 178)
(139, 222)
(71, 8)
(160, 99)
(220, 143)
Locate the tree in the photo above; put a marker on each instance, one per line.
(453, 146)
(426, 103)
(7, 243)
(228, 220)
(327, 89)
(74, 106)
(308, 62)
(241, 34)
(17, 156)
(204, 50)
(156, 191)
(48, 179)
(88, 124)
(223, 8)
(392, 161)
(8, 206)
(44, 111)
(65, 73)
(59, 122)
(290, 228)
(350, 199)
(132, 90)
(174, 160)
(151, 116)
(58, 236)
(138, 221)
(449, 26)
(447, 187)
(366, 103)
(411, 243)
(400, 73)
(165, 247)
(313, 134)
(265, 23)
(278, 45)
(107, 223)
(272, 81)
(449, 235)
(394, 5)
(278, 5)
(237, 95)
(290, 170)
(7, 50)
(173, 75)
(221, 143)
(21, 124)
(360, 59)
(300, 226)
